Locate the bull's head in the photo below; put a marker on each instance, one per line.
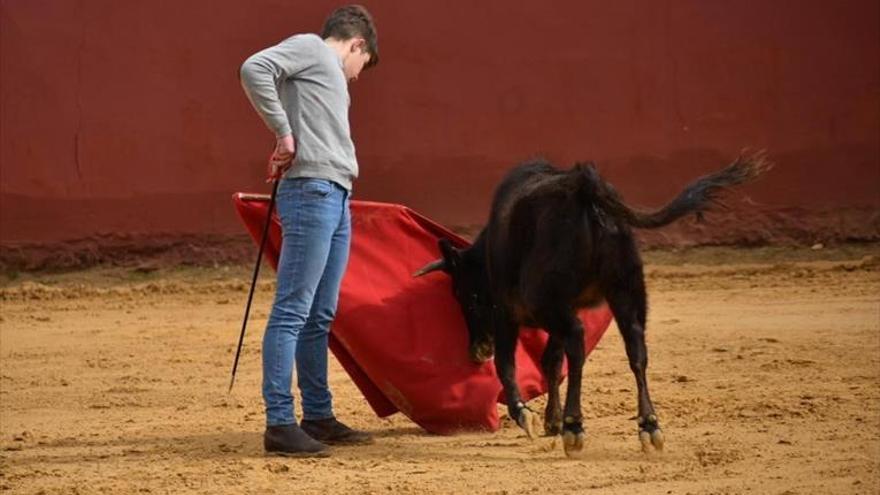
(470, 287)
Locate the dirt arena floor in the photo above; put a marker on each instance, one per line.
(764, 367)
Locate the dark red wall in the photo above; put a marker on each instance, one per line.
(127, 116)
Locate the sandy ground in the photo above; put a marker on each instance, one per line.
(764, 366)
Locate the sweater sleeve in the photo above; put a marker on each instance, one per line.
(262, 72)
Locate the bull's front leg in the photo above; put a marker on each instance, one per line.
(506, 334)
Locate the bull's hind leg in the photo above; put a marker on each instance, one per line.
(629, 307)
(573, 435)
(551, 365)
(505, 350)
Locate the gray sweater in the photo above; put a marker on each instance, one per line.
(298, 87)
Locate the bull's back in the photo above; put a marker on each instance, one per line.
(538, 233)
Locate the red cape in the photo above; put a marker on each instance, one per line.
(403, 340)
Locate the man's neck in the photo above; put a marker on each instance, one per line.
(340, 47)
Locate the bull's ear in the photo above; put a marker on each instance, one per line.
(451, 255)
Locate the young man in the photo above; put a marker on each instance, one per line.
(300, 89)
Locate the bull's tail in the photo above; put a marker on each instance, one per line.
(699, 196)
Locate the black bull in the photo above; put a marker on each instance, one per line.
(558, 241)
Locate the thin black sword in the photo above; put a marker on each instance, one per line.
(247, 308)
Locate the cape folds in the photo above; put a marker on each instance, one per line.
(403, 340)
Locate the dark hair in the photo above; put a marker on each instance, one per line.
(350, 22)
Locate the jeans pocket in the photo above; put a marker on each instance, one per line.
(317, 187)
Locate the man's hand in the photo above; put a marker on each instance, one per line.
(281, 158)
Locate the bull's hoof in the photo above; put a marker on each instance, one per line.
(528, 420)
(573, 437)
(573, 443)
(650, 434)
(645, 440)
(657, 439)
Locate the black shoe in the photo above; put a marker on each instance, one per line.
(292, 441)
(333, 432)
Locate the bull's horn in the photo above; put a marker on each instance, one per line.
(433, 266)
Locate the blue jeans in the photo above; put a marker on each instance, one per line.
(316, 232)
